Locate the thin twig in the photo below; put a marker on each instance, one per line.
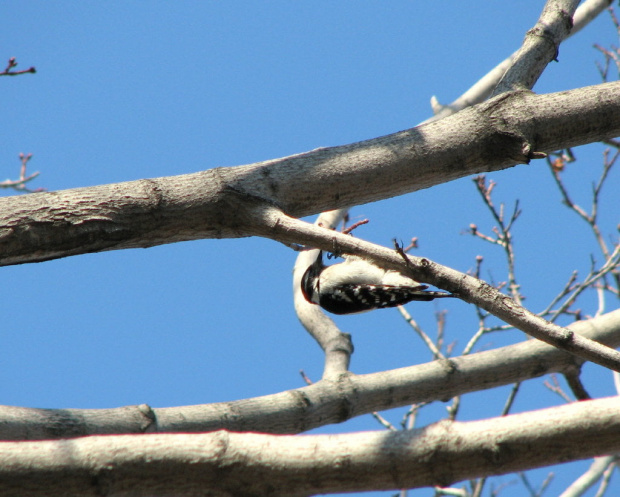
(568, 287)
(600, 468)
(20, 184)
(531, 490)
(554, 385)
(409, 419)
(609, 266)
(556, 167)
(13, 63)
(304, 377)
(348, 230)
(383, 422)
(609, 471)
(425, 338)
(503, 234)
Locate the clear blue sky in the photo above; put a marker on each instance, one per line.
(130, 90)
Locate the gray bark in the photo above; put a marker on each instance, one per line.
(510, 129)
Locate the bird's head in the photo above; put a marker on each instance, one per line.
(310, 280)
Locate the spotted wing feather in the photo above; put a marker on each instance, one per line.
(350, 299)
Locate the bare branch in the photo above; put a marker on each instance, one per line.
(541, 46)
(409, 419)
(568, 287)
(612, 55)
(221, 202)
(20, 184)
(554, 385)
(606, 479)
(383, 422)
(8, 71)
(470, 289)
(224, 463)
(573, 379)
(483, 88)
(425, 338)
(594, 275)
(504, 235)
(591, 218)
(598, 467)
(350, 229)
(330, 400)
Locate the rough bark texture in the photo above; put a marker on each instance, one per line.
(219, 203)
(328, 401)
(227, 464)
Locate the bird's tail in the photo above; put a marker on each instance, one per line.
(427, 295)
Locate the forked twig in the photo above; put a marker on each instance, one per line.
(20, 184)
(13, 63)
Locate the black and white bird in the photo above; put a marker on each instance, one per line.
(357, 285)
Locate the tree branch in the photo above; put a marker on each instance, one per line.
(590, 477)
(219, 203)
(331, 400)
(225, 464)
(482, 89)
(9, 70)
(283, 228)
(541, 46)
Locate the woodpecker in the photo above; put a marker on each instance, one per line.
(357, 285)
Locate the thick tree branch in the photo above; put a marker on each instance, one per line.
(331, 400)
(510, 129)
(482, 89)
(541, 46)
(227, 464)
